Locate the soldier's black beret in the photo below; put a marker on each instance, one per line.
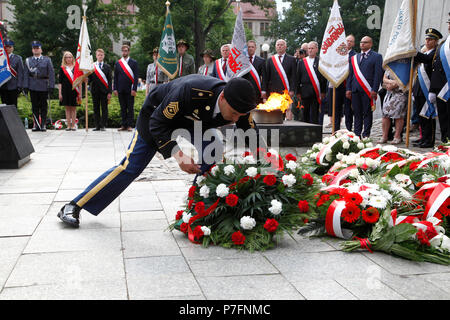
(433, 33)
(240, 94)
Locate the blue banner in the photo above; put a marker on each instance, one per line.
(5, 73)
(401, 69)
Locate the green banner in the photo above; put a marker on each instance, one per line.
(167, 60)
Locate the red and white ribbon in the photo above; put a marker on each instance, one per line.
(361, 79)
(69, 74)
(281, 72)
(440, 193)
(219, 70)
(313, 77)
(101, 75)
(126, 69)
(333, 219)
(342, 175)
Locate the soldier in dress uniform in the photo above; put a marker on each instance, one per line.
(155, 76)
(426, 56)
(39, 80)
(10, 90)
(179, 104)
(186, 63)
(207, 68)
(439, 79)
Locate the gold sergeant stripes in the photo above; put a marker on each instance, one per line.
(171, 110)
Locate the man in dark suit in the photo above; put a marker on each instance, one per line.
(362, 87)
(425, 58)
(179, 104)
(348, 109)
(101, 88)
(126, 77)
(260, 66)
(280, 79)
(11, 89)
(439, 78)
(221, 63)
(311, 84)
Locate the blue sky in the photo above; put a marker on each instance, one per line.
(281, 5)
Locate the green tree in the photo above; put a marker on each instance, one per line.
(306, 21)
(203, 23)
(46, 21)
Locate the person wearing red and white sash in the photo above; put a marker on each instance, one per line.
(258, 74)
(155, 76)
(126, 75)
(207, 68)
(280, 73)
(68, 97)
(10, 90)
(311, 85)
(220, 65)
(365, 76)
(101, 88)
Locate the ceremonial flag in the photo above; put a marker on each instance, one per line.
(167, 59)
(333, 60)
(401, 45)
(5, 71)
(238, 62)
(84, 63)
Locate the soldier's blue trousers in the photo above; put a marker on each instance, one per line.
(108, 186)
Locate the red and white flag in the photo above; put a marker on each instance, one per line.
(84, 63)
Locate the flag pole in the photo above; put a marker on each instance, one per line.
(85, 83)
(334, 110)
(411, 73)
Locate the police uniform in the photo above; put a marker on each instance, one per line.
(438, 81)
(11, 89)
(155, 76)
(427, 124)
(39, 79)
(179, 104)
(186, 63)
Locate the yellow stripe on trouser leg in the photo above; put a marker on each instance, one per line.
(111, 176)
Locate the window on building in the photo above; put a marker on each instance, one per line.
(249, 25)
(263, 27)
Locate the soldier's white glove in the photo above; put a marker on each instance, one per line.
(432, 97)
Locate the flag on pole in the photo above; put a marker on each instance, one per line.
(5, 70)
(401, 45)
(84, 63)
(333, 59)
(167, 58)
(238, 62)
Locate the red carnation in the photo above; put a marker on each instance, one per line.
(303, 206)
(422, 237)
(442, 179)
(344, 181)
(351, 212)
(271, 225)
(371, 215)
(244, 180)
(353, 197)
(190, 203)
(323, 198)
(179, 214)
(270, 180)
(184, 227)
(238, 238)
(444, 209)
(198, 233)
(231, 200)
(413, 166)
(192, 191)
(291, 157)
(199, 207)
(309, 179)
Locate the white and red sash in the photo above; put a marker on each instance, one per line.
(220, 73)
(206, 71)
(255, 76)
(180, 71)
(313, 77)
(281, 72)
(69, 74)
(361, 79)
(126, 68)
(101, 75)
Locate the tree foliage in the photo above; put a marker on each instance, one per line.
(306, 21)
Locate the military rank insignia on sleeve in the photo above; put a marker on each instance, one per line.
(171, 110)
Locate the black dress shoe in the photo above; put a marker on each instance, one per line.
(43, 129)
(96, 129)
(102, 129)
(70, 215)
(426, 144)
(418, 141)
(35, 129)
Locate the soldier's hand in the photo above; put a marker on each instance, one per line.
(133, 93)
(186, 163)
(432, 97)
(348, 95)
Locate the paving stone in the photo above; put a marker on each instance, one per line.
(11, 249)
(142, 203)
(139, 221)
(148, 244)
(322, 290)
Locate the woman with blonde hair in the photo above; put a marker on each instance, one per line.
(68, 97)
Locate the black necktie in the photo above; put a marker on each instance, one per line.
(251, 59)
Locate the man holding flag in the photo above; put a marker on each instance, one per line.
(11, 89)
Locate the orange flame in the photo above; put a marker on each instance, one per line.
(276, 101)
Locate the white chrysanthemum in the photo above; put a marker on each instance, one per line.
(222, 190)
(200, 180)
(403, 193)
(289, 180)
(360, 162)
(276, 207)
(214, 170)
(356, 139)
(249, 160)
(378, 202)
(360, 145)
(313, 155)
(248, 223)
(329, 157)
(206, 231)
(338, 134)
(291, 165)
(229, 170)
(403, 179)
(354, 173)
(304, 159)
(427, 177)
(346, 145)
(340, 156)
(186, 217)
(326, 140)
(372, 163)
(204, 192)
(389, 148)
(251, 172)
(369, 145)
